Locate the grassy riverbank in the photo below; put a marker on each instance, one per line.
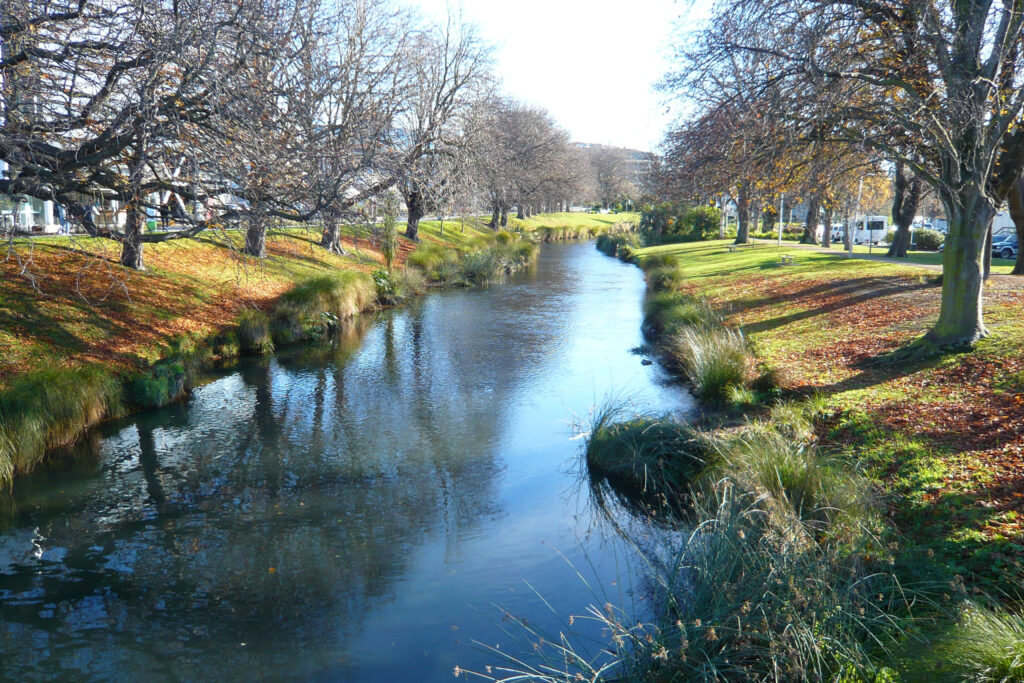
(84, 339)
(894, 481)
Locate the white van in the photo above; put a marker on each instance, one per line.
(870, 229)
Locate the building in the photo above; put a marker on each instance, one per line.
(638, 162)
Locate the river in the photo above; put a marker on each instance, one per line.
(363, 512)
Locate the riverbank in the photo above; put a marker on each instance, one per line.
(923, 461)
(84, 339)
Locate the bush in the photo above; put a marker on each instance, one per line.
(928, 240)
(702, 222)
(714, 359)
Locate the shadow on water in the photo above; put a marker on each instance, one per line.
(345, 511)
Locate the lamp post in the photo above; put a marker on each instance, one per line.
(856, 212)
(782, 204)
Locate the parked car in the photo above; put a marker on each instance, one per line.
(1006, 247)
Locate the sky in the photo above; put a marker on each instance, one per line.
(592, 64)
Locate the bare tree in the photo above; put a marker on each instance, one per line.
(936, 85)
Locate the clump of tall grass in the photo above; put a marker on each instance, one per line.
(432, 258)
(319, 304)
(714, 359)
(161, 385)
(253, 328)
(804, 489)
(664, 278)
(479, 261)
(984, 646)
(648, 462)
(620, 243)
(394, 287)
(45, 409)
(667, 313)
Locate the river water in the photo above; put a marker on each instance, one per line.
(361, 513)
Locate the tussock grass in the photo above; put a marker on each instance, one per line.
(479, 260)
(254, 332)
(45, 409)
(801, 487)
(664, 278)
(646, 462)
(620, 243)
(713, 359)
(667, 313)
(984, 646)
(319, 304)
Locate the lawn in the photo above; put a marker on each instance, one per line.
(999, 265)
(942, 438)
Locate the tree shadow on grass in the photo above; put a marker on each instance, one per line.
(833, 304)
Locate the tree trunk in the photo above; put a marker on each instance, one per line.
(742, 216)
(256, 235)
(495, 217)
(131, 247)
(810, 235)
(960, 316)
(415, 206)
(1016, 205)
(826, 234)
(331, 239)
(504, 215)
(906, 196)
(520, 211)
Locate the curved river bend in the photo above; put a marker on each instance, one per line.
(359, 513)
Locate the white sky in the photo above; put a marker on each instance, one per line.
(591, 63)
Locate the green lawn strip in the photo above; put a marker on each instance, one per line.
(936, 491)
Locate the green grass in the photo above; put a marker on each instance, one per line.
(983, 646)
(715, 360)
(478, 259)
(321, 303)
(45, 409)
(254, 332)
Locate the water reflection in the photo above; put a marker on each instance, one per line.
(316, 513)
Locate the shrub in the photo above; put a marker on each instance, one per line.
(504, 237)
(254, 331)
(44, 409)
(928, 240)
(389, 237)
(701, 222)
(713, 359)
